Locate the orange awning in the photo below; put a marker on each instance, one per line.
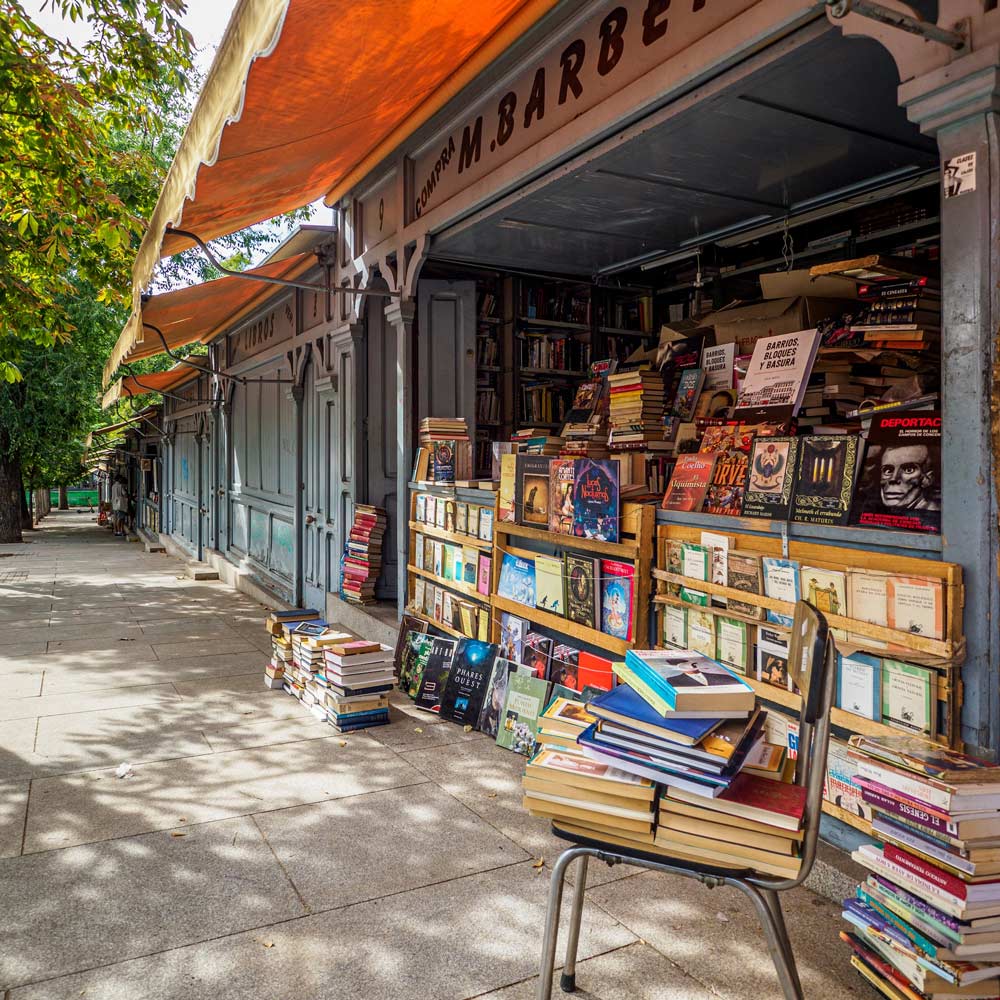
(306, 95)
(139, 385)
(197, 314)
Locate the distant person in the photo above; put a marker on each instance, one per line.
(119, 506)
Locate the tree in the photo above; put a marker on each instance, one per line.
(70, 203)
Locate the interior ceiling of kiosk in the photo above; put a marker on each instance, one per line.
(822, 119)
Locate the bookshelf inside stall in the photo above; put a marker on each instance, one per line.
(492, 416)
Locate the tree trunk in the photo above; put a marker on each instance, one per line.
(63, 498)
(27, 519)
(11, 500)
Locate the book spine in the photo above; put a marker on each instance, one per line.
(911, 787)
(908, 811)
(911, 882)
(950, 884)
(910, 839)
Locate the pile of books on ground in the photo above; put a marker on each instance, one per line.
(671, 761)
(445, 452)
(362, 561)
(926, 923)
(341, 678)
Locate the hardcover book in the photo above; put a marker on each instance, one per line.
(526, 699)
(512, 632)
(686, 680)
(617, 593)
(781, 582)
(562, 476)
(744, 573)
(689, 483)
(908, 698)
(517, 580)
(443, 462)
(900, 482)
(825, 478)
(940, 763)
(859, 684)
(495, 697)
(549, 595)
(770, 477)
(582, 605)
(675, 626)
(508, 476)
(427, 691)
(536, 653)
(531, 495)
(596, 499)
(467, 681)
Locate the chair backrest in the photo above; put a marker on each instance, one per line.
(812, 665)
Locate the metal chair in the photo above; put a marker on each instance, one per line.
(812, 665)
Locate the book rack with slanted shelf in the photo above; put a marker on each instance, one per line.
(473, 621)
(636, 545)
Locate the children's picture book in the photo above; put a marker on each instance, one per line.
(495, 697)
(527, 697)
(617, 598)
(859, 684)
(536, 653)
(825, 479)
(562, 476)
(549, 591)
(512, 632)
(517, 580)
(781, 582)
(744, 573)
(689, 482)
(582, 605)
(505, 498)
(675, 626)
(483, 575)
(696, 563)
(467, 682)
(688, 390)
(427, 687)
(900, 481)
(531, 494)
(908, 698)
(596, 499)
(770, 477)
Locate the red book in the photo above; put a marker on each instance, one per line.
(945, 881)
(690, 481)
(594, 671)
(749, 797)
(881, 966)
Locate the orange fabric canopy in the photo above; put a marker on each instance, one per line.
(139, 385)
(305, 94)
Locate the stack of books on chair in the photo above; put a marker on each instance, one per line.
(926, 923)
(362, 562)
(340, 677)
(689, 731)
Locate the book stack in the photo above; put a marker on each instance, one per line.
(585, 432)
(637, 400)
(561, 723)
(362, 562)
(358, 677)
(279, 625)
(536, 441)
(445, 452)
(927, 920)
(900, 315)
(276, 620)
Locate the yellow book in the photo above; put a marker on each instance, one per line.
(586, 828)
(582, 772)
(544, 807)
(726, 834)
(671, 807)
(714, 852)
(542, 789)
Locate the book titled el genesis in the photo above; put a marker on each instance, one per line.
(825, 479)
(900, 482)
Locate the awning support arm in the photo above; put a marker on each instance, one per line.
(238, 379)
(162, 392)
(886, 15)
(284, 282)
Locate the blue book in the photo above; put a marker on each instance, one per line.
(781, 581)
(859, 684)
(517, 580)
(623, 706)
(687, 681)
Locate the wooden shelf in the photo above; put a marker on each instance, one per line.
(554, 372)
(459, 588)
(449, 536)
(563, 625)
(832, 809)
(615, 331)
(556, 324)
(627, 550)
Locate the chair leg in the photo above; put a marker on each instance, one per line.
(551, 934)
(773, 922)
(567, 982)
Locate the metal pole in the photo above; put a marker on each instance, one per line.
(298, 528)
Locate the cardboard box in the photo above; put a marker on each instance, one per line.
(745, 324)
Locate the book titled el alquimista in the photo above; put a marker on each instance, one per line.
(686, 680)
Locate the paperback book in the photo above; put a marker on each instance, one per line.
(466, 685)
(526, 700)
(562, 476)
(781, 582)
(770, 477)
(495, 696)
(825, 479)
(531, 497)
(596, 508)
(435, 674)
(549, 591)
(582, 604)
(617, 598)
(517, 580)
(690, 481)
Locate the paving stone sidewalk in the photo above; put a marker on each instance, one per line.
(253, 853)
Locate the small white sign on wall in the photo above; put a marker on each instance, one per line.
(959, 175)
